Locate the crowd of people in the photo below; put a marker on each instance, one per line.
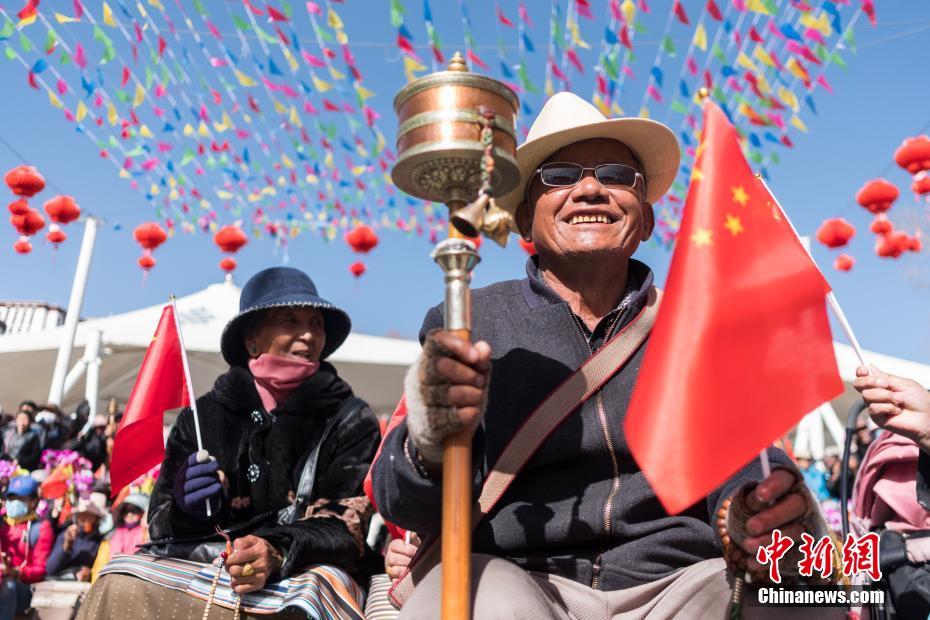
(263, 501)
(824, 474)
(35, 428)
(58, 520)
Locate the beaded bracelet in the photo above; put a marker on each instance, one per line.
(416, 463)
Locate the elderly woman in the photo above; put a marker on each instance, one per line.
(286, 447)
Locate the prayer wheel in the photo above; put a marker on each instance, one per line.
(439, 137)
(456, 144)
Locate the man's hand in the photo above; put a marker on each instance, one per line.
(896, 404)
(772, 505)
(83, 574)
(262, 560)
(398, 556)
(450, 386)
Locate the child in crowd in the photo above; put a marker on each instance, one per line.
(129, 530)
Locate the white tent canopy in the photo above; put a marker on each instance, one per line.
(373, 366)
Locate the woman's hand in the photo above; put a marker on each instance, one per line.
(896, 404)
(398, 556)
(252, 561)
(198, 483)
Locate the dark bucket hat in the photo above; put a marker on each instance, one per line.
(281, 287)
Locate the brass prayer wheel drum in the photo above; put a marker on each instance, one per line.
(439, 139)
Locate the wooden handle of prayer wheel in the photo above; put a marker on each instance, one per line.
(456, 521)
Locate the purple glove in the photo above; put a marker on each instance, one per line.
(198, 482)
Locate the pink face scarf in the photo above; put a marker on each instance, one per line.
(276, 378)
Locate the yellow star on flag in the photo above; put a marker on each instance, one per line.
(696, 174)
(702, 237)
(733, 225)
(740, 195)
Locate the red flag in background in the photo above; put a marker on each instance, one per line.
(741, 349)
(139, 444)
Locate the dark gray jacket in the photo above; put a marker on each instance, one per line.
(581, 507)
(26, 449)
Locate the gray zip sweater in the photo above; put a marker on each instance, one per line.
(581, 507)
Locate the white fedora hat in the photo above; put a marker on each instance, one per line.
(567, 118)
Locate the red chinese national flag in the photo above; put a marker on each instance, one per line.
(741, 349)
(139, 444)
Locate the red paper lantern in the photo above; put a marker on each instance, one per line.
(877, 196)
(921, 184)
(24, 181)
(915, 244)
(228, 264)
(844, 262)
(886, 248)
(230, 239)
(362, 239)
(149, 235)
(29, 223)
(901, 240)
(18, 207)
(22, 246)
(881, 225)
(527, 246)
(835, 233)
(55, 235)
(892, 245)
(146, 261)
(62, 209)
(914, 154)
(358, 268)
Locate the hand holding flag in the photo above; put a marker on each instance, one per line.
(163, 383)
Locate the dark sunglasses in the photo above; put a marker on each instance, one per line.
(565, 174)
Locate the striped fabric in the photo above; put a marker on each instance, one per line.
(322, 592)
(378, 605)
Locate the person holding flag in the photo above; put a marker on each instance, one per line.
(613, 477)
(261, 477)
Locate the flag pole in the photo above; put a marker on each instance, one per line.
(187, 378)
(766, 466)
(831, 298)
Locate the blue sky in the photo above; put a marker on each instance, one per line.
(879, 100)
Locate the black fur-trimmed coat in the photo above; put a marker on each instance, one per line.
(242, 436)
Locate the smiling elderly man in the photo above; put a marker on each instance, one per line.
(579, 532)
